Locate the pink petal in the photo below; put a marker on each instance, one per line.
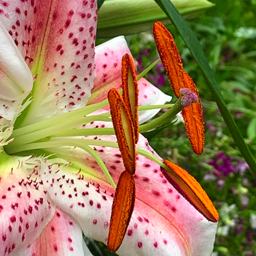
(62, 236)
(25, 207)
(56, 38)
(108, 59)
(108, 75)
(163, 220)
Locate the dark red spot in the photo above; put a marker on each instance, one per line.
(98, 205)
(104, 66)
(67, 23)
(55, 247)
(146, 179)
(140, 219)
(139, 244)
(129, 233)
(4, 237)
(70, 240)
(13, 219)
(178, 196)
(71, 13)
(146, 232)
(52, 228)
(58, 47)
(173, 209)
(17, 10)
(91, 202)
(156, 193)
(165, 241)
(95, 222)
(155, 244)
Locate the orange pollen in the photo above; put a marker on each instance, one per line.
(122, 209)
(170, 57)
(123, 125)
(131, 91)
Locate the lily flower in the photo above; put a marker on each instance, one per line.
(57, 182)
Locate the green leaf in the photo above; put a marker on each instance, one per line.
(251, 130)
(126, 17)
(197, 52)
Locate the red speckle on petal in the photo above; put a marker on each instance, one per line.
(55, 247)
(13, 219)
(155, 244)
(139, 244)
(129, 232)
(156, 193)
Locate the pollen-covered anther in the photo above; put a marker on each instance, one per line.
(124, 130)
(131, 91)
(122, 209)
(193, 118)
(170, 57)
(191, 190)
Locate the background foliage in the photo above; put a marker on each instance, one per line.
(227, 34)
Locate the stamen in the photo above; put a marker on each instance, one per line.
(124, 130)
(122, 209)
(170, 57)
(191, 190)
(131, 91)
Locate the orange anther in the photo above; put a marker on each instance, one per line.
(170, 57)
(122, 209)
(130, 90)
(193, 118)
(123, 125)
(191, 190)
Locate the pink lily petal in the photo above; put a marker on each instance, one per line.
(62, 236)
(108, 75)
(163, 222)
(25, 207)
(56, 38)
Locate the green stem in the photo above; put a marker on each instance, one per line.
(44, 133)
(145, 71)
(64, 119)
(163, 118)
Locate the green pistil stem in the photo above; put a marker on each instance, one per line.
(64, 119)
(142, 108)
(145, 71)
(51, 129)
(163, 118)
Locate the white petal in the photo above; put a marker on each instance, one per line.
(150, 95)
(15, 77)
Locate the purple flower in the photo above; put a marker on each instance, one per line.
(223, 164)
